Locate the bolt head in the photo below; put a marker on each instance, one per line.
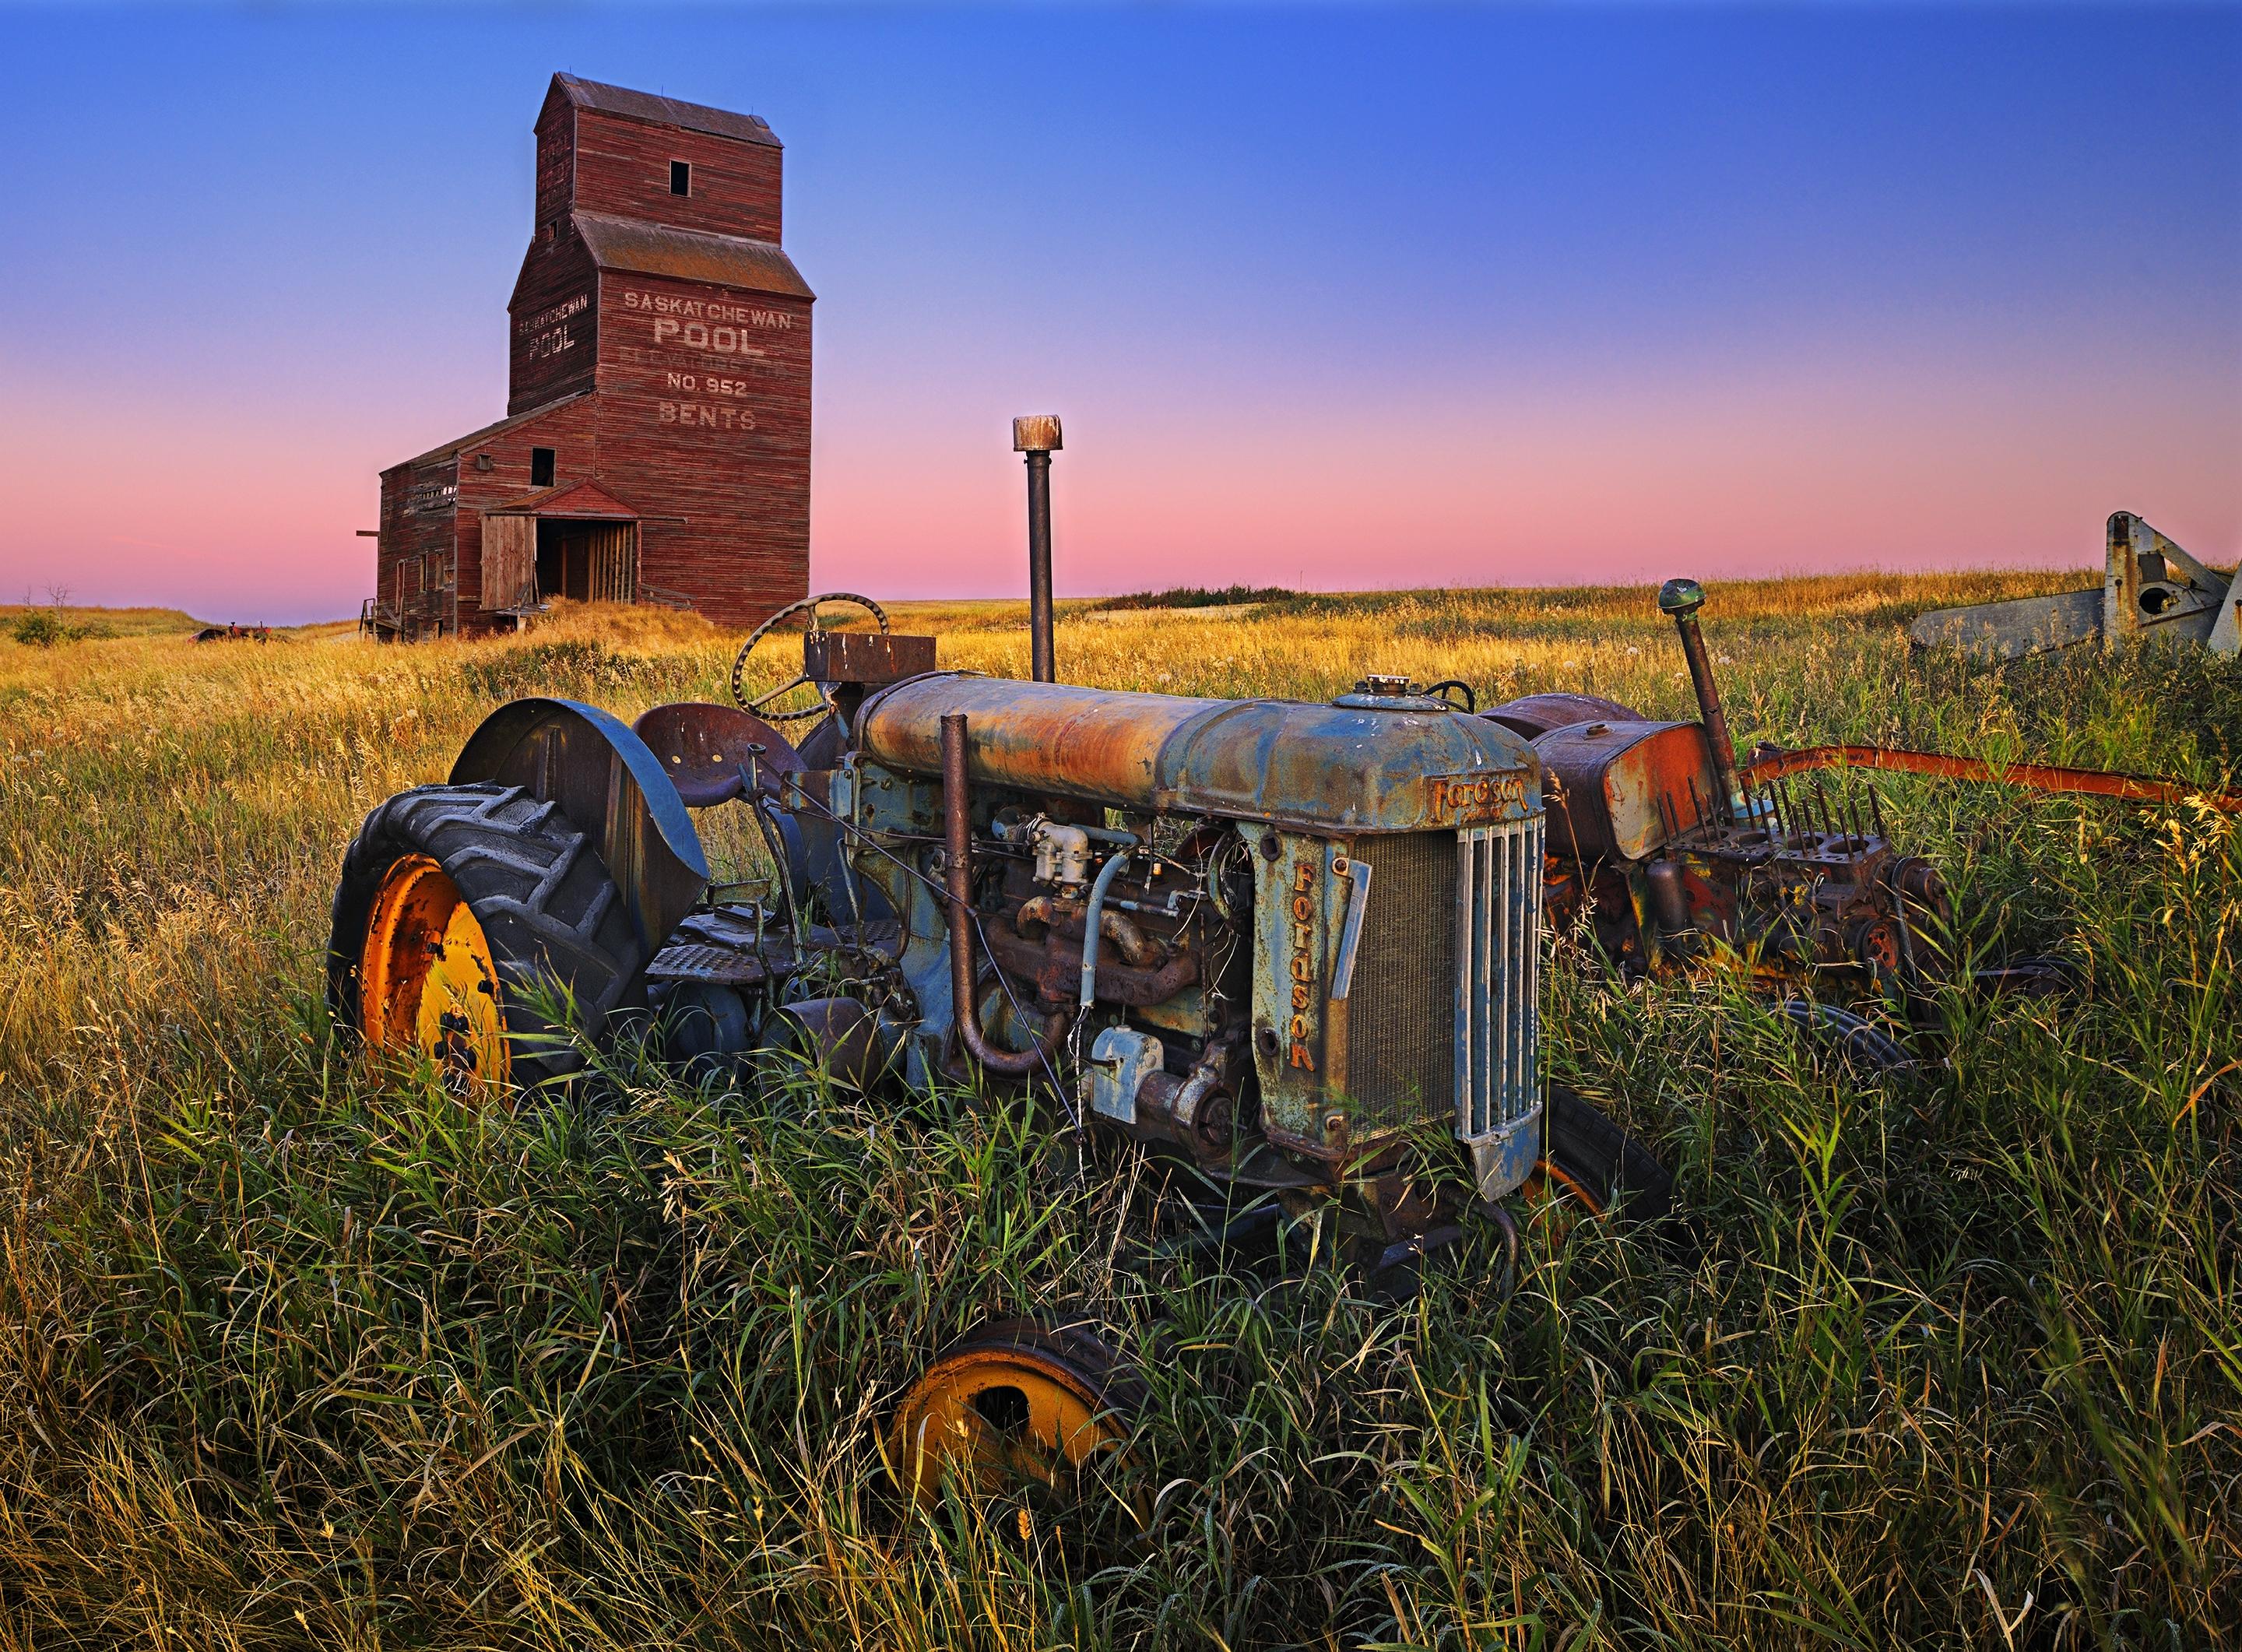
(1678, 597)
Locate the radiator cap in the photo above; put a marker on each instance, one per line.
(1391, 694)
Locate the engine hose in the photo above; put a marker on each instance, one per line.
(1092, 916)
(964, 985)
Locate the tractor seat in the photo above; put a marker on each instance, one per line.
(703, 749)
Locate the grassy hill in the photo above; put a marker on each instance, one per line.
(293, 1356)
(97, 622)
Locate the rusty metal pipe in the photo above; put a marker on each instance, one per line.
(1769, 763)
(964, 989)
(1681, 599)
(1141, 950)
(1037, 436)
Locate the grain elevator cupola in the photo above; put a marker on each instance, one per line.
(656, 442)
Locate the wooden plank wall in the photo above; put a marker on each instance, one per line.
(621, 165)
(710, 421)
(571, 430)
(613, 554)
(509, 562)
(554, 318)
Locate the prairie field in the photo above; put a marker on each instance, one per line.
(290, 1356)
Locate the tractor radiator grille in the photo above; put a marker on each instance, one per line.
(1401, 1052)
(1497, 980)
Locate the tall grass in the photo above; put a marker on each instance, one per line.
(291, 1358)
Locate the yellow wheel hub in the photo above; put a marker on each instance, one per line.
(427, 985)
(989, 1417)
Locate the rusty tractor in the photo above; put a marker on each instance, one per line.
(1667, 852)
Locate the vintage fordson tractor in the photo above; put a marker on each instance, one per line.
(1286, 944)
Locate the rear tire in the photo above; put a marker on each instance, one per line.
(549, 910)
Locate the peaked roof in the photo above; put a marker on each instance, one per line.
(585, 498)
(664, 111)
(451, 449)
(690, 255)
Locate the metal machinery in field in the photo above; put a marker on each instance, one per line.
(2151, 591)
(1665, 850)
(1293, 947)
(1279, 942)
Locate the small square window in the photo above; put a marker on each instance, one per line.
(540, 467)
(680, 177)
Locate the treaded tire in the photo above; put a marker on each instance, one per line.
(548, 904)
(1606, 1164)
(1836, 1035)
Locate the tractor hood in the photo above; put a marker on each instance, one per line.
(1357, 767)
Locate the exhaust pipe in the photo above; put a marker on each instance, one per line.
(964, 989)
(1037, 436)
(1682, 599)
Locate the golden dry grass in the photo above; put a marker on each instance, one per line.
(290, 1358)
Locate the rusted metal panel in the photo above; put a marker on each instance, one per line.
(610, 786)
(1043, 738)
(867, 657)
(1300, 897)
(2151, 591)
(1335, 769)
(706, 751)
(1617, 790)
(2010, 630)
(1537, 714)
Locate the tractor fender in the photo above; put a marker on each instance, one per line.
(611, 787)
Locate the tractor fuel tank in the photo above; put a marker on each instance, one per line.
(1352, 768)
(1618, 790)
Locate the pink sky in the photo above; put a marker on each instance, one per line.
(1704, 291)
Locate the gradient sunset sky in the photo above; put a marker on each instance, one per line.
(1328, 297)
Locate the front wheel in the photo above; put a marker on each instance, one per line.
(1018, 1403)
(1591, 1164)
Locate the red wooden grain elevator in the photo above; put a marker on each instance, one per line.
(656, 442)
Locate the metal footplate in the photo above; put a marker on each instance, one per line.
(720, 965)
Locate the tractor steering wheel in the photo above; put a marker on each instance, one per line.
(763, 705)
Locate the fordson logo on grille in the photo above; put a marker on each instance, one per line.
(1300, 1029)
(1466, 799)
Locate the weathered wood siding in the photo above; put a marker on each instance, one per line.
(621, 165)
(686, 400)
(555, 319)
(710, 421)
(419, 506)
(509, 561)
(571, 430)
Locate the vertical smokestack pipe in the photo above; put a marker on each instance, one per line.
(1682, 599)
(1037, 436)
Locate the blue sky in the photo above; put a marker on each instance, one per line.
(1341, 297)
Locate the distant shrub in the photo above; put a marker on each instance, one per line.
(39, 628)
(1197, 596)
